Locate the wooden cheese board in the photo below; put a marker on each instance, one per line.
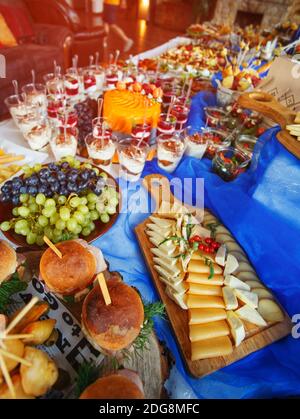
(268, 106)
(256, 337)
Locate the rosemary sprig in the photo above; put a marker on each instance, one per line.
(8, 289)
(87, 374)
(151, 311)
(209, 263)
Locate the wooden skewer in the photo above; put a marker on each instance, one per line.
(7, 378)
(22, 313)
(52, 247)
(14, 337)
(15, 357)
(104, 289)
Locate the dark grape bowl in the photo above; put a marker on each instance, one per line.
(101, 228)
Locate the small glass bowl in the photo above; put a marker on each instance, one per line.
(246, 144)
(216, 117)
(229, 163)
(214, 139)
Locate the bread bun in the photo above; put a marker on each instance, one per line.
(8, 258)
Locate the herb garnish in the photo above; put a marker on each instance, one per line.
(8, 289)
(209, 263)
(87, 374)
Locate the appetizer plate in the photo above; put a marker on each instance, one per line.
(101, 228)
(256, 337)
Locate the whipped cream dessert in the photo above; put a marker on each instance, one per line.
(37, 99)
(132, 161)
(195, 147)
(63, 145)
(72, 85)
(100, 80)
(39, 136)
(169, 154)
(101, 151)
(18, 112)
(27, 122)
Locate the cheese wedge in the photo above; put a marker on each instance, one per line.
(198, 289)
(168, 248)
(160, 232)
(206, 315)
(202, 279)
(202, 268)
(221, 256)
(173, 269)
(204, 301)
(209, 330)
(161, 222)
(237, 328)
(270, 311)
(231, 265)
(263, 293)
(211, 348)
(230, 300)
(178, 286)
(250, 315)
(247, 297)
(177, 298)
(167, 275)
(198, 230)
(247, 276)
(156, 236)
(233, 282)
(255, 284)
(157, 252)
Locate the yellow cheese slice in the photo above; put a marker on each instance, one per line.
(206, 315)
(198, 289)
(202, 268)
(204, 301)
(237, 328)
(211, 348)
(209, 330)
(202, 279)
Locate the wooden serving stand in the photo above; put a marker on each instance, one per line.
(268, 106)
(152, 365)
(256, 338)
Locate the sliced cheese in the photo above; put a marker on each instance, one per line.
(211, 348)
(157, 252)
(247, 276)
(206, 315)
(168, 248)
(246, 267)
(158, 231)
(162, 222)
(231, 265)
(177, 298)
(237, 328)
(167, 275)
(247, 297)
(198, 289)
(270, 311)
(233, 247)
(202, 279)
(230, 300)
(209, 330)
(221, 256)
(204, 301)
(221, 229)
(255, 284)
(156, 236)
(178, 287)
(233, 282)
(224, 238)
(173, 269)
(201, 256)
(202, 268)
(198, 230)
(263, 293)
(250, 315)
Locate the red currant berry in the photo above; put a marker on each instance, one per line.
(201, 247)
(208, 240)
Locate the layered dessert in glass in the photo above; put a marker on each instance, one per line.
(72, 83)
(36, 95)
(54, 106)
(170, 150)
(101, 127)
(166, 124)
(132, 158)
(39, 135)
(64, 143)
(16, 106)
(111, 77)
(89, 81)
(141, 130)
(195, 142)
(181, 113)
(101, 149)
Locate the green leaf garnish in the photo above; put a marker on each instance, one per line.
(87, 374)
(8, 289)
(209, 263)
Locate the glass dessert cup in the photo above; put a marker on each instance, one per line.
(181, 113)
(72, 83)
(216, 117)
(55, 104)
(64, 143)
(141, 130)
(132, 158)
(169, 93)
(214, 139)
(101, 149)
(89, 81)
(111, 77)
(56, 87)
(67, 117)
(17, 107)
(195, 143)
(39, 135)
(170, 150)
(246, 144)
(166, 124)
(99, 74)
(35, 95)
(101, 127)
(229, 163)
(29, 120)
